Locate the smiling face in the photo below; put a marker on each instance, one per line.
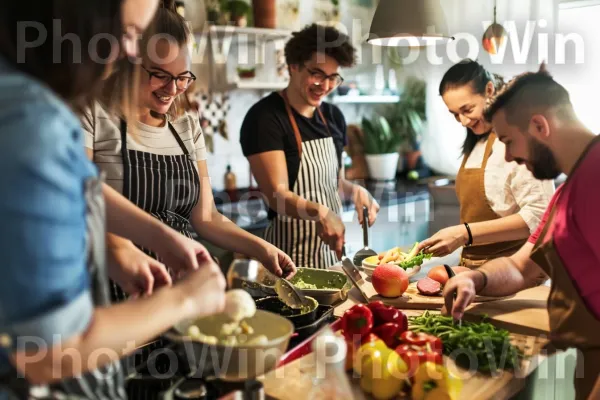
(524, 148)
(315, 79)
(467, 107)
(157, 88)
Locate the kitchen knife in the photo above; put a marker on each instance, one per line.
(451, 275)
(355, 277)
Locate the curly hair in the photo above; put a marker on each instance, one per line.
(320, 39)
(530, 93)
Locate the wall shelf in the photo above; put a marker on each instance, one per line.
(257, 85)
(252, 34)
(367, 99)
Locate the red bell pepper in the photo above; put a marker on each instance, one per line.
(390, 333)
(414, 356)
(357, 322)
(422, 340)
(383, 314)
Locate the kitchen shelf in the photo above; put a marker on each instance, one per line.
(257, 85)
(367, 99)
(253, 34)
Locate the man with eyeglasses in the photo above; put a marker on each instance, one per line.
(294, 142)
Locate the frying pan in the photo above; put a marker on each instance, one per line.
(231, 363)
(297, 317)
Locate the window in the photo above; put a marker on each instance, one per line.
(583, 83)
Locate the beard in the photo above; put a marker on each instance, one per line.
(542, 163)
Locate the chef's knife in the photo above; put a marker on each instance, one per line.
(355, 277)
(451, 274)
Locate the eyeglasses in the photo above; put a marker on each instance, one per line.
(161, 79)
(319, 77)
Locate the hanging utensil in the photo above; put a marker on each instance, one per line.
(365, 252)
(494, 36)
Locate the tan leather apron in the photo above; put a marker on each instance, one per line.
(571, 323)
(474, 207)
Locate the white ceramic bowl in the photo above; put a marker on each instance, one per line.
(370, 263)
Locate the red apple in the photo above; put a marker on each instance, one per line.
(389, 280)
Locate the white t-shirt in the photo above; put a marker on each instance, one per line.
(104, 138)
(509, 187)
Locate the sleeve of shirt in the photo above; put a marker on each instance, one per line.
(584, 208)
(538, 231)
(88, 123)
(44, 290)
(530, 194)
(198, 135)
(261, 132)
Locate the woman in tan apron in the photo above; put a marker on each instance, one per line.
(501, 203)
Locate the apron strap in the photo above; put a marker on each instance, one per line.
(488, 150)
(290, 114)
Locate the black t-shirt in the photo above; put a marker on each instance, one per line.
(267, 127)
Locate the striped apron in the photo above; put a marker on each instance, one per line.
(317, 181)
(166, 187)
(103, 383)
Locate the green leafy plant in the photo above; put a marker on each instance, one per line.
(407, 117)
(236, 8)
(379, 138)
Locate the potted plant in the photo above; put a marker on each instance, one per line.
(265, 13)
(381, 145)
(407, 117)
(238, 12)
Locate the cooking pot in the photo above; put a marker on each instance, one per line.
(232, 363)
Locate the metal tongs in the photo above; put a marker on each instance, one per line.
(451, 275)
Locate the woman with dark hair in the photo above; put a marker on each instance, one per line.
(54, 291)
(158, 159)
(501, 203)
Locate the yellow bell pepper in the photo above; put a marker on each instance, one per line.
(383, 374)
(433, 382)
(364, 352)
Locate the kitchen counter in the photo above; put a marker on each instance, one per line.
(295, 380)
(246, 207)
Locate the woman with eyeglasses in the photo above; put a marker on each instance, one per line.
(294, 142)
(158, 160)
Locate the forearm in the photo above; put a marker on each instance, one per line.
(117, 331)
(222, 232)
(124, 219)
(346, 189)
(503, 278)
(508, 275)
(498, 230)
(287, 203)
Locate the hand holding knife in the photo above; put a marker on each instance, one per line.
(451, 275)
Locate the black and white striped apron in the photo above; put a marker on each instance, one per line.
(317, 181)
(166, 187)
(108, 382)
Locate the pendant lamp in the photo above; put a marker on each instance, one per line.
(408, 23)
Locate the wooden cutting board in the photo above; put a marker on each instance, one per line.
(524, 313)
(294, 381)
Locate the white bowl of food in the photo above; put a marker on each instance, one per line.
(410, 261)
